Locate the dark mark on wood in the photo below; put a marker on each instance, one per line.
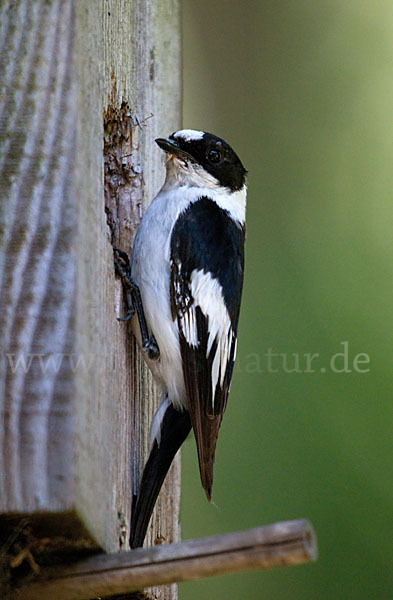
(123, 178)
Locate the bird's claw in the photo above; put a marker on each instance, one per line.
(122, 264)
(151, 348)
(128, 316)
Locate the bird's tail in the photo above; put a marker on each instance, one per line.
(206, 433)
(174, 430)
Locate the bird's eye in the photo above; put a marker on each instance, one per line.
(214, 155)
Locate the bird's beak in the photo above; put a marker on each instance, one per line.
(172, 147)
(168, 145)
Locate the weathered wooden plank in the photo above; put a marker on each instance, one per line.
(37, 268)
(281, 544)
(75, 398)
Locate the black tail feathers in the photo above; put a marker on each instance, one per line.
(174, 430)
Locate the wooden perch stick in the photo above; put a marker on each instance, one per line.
(278, 545)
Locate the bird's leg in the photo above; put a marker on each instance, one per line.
(149, 343)
(134, 303)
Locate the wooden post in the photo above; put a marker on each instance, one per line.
(85, 88)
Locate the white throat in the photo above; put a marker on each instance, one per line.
(192, 181)
(183, 172)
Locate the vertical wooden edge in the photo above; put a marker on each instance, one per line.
(116, 399)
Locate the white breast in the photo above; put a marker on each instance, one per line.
(151, 270)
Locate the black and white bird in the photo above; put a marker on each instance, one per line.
(188, 262)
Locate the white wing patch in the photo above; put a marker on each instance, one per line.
(207, 294)
(188, 318)
(189, 327)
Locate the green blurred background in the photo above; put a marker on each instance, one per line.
(304, 92)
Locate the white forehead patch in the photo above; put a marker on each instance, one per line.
(189, 134)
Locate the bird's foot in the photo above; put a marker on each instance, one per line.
(122, 266)
(134, 303)
(151, 348)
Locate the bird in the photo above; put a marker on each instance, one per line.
(185, 282)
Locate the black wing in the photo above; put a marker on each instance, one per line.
(207, 264)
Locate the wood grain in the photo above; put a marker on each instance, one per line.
(281, 544)
(75, 410)
(38, 267)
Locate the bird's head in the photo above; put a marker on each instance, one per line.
(201, 159)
